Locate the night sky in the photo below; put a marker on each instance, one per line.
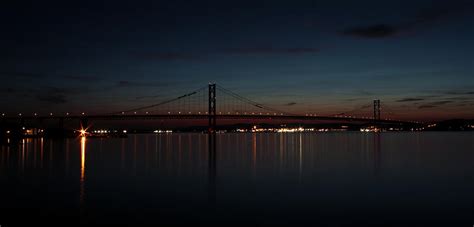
(322, 57)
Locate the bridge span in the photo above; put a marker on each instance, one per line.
(211, 103)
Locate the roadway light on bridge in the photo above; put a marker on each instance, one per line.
(67, 114)
(35, 114)
(19, 114)
(3, 114)
(83, 113)
(50, 114)
(134, 112)
(123, 113)
(146, 112)
(169, 112)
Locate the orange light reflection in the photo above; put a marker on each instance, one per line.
(83, 167)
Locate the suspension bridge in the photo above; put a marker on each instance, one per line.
(212, 103)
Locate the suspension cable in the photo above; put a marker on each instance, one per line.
(253, 103)
(160, 103)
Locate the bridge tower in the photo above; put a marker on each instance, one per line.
(212, 107)
(376, 110)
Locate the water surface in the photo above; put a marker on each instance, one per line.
(318, 179)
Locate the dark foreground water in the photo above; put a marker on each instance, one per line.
(314, 179)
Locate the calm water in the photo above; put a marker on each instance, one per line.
(326, 179)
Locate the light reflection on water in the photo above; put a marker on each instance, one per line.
(83, 167)
(270, 178)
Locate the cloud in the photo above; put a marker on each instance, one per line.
(445, 10)
(291, 104)
(271, 50)
(423, 19)
(459, 92)
(460, 98)
(34, 75)
(81, 77)
(426, 106)
(441, 102)
(410, 100)
(53, 95)
(45, 94)
(165, 56)
(434, 104)
(128, 83)
(372, 31)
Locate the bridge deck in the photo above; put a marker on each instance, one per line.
(204, 116)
